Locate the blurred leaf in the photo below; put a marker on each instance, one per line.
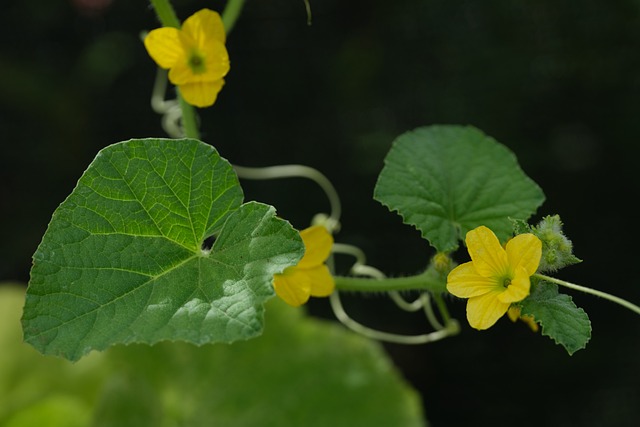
(300, 372)
(33, 386)
(123, 258)
(559, 317)
(447, 180)
(54, 411)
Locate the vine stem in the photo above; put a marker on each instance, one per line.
(166, 14)
(595, 292)
(189, 120)
(231, 13)
(168, 18)
(361, 284)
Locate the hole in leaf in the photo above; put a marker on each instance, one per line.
(207, 244)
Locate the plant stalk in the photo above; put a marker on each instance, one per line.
(419, 282)
(595, 292)
(231, 13)
(166, 14)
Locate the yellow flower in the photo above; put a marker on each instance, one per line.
(311, 277)
(496, 276)
(195, 55)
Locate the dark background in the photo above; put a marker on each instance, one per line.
(556, 81)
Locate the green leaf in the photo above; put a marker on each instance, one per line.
(559, 317)
(447, 180)
(301, 372)
(38, 390)
(54, 411)
(123, 259)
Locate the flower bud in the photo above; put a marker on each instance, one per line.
(557, 249)
(442, 263)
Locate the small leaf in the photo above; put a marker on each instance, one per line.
(127, 257)
(559, 317)
(447, 180)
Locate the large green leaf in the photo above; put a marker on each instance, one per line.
(124, 258)
(300, 372)
(447, 180)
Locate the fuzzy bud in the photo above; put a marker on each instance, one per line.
(557, 249)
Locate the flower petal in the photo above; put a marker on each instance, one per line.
(531, 322)
(465, 282)
(317, 243)
(322, 282)
(513, 313)
(215, 65)
(164, 46)
(204, 27)
(489, 258)
(181, 73)
(216, 61)
(293, 286)
(201, 94)
(519, 287)
(485, 310)
(525, 250)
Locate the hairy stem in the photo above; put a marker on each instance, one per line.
(189, 121)
(420, 282)
(595, 292)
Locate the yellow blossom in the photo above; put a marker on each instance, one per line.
(496, 276)
(311, 277)
(195, 55)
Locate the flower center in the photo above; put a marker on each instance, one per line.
(196, 62)
(506, 282)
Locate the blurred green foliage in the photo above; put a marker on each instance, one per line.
(301, 372)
